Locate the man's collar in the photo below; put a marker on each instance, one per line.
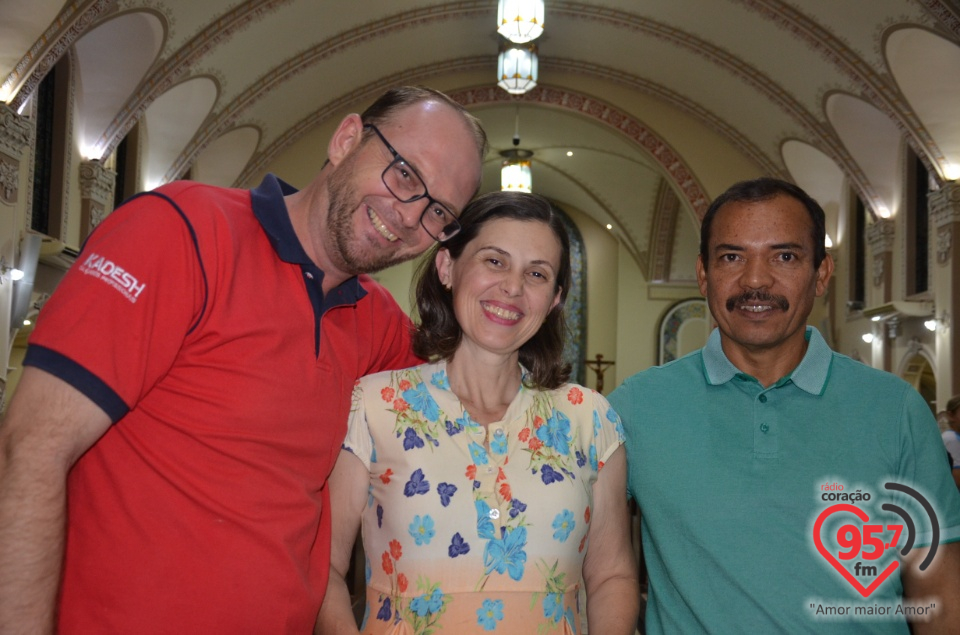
(810, 375)
(271, 210)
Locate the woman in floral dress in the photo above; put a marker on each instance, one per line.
(488, 488)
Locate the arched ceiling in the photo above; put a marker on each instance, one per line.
(687, 95)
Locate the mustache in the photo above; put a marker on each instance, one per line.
(758, 296)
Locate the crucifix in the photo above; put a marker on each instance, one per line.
(598, 366)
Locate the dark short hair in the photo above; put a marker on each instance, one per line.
(953, 404)
(396, 99)
(438, 334)
(763, 189)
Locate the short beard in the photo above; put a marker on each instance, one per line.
(758, 296)
(348, 254)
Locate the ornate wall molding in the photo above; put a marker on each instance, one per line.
(96, 195)
(944, 217)
(96, 181)
(881, 236)
(72, 22)
(16, 135)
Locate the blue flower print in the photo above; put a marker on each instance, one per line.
(417, 484)
(423, 605)
(373, 452)
(446, 491)
(458, 546)
(563, 525)
(422, 529)
(435, 603)
(596, 424)
(549, 475)
(453, 427)
(411, 439)
(385, 612)
(499, 444)
(517, 507)
(489, 614)
(380, 516)
(553, 606)
(459, 424)
(439, 379)
(367, 569)
(555, 433)
(484, 524)
(478, 454)
(568, 615)
(594, 462)
(507, 554)
(420, 400)
(581, 459)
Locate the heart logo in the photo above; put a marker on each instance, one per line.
(862, 515)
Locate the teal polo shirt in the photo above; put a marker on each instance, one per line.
(731, 478)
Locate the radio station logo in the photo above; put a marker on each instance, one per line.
(863, 548)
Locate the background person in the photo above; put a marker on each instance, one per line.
(485, 482)
(203, 398)
(730, 448)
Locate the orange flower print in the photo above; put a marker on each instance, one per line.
(586, 515)
(387, 394)
(404, 384)
(524, 435)
(471, 472)
(575, 396)
(583, 543)
(385, 477)
(501, 476)
(535, 444)
(600, 466)
(505, 492)
(395, 549)
(400, 405)
(402, 582)
(387, 563)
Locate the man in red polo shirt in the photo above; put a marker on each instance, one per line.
(163, 463)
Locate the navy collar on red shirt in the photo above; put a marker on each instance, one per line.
(271, 211)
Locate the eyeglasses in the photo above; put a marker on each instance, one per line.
(406, 186)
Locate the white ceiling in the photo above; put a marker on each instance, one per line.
(650, 95)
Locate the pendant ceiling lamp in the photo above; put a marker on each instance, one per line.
(517, 67)
(515, 173)
(520, 20)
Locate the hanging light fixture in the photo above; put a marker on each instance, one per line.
(520, 20)
(515, 173)
(517, 67)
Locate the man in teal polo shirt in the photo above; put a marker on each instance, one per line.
(784, 487)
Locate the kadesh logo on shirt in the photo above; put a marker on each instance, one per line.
(861, 543)
(114, 275)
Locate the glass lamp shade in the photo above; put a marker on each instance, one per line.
(515, 176)
(517, 68)
(520, 20)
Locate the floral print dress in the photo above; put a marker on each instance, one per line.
(470, 529)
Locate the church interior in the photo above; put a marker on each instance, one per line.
(630, 116)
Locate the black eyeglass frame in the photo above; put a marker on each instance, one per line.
(452, 228)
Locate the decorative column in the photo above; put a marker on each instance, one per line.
(945, 235)
(96, 195)
(15, 135)
(880, 237)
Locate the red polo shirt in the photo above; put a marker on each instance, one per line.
(194, 318)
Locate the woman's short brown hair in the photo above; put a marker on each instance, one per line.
(438, 335)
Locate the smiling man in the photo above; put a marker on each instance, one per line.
(167, 451)
(738, 453)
